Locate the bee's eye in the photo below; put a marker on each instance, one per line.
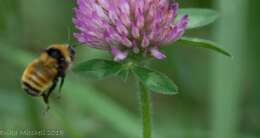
(54, 53)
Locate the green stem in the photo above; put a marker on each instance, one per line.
(145, 110)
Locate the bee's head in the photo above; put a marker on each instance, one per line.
(55, 53)
(62, 53)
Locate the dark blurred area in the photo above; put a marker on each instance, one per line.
(219, 96)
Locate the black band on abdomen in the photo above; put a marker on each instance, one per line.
(30, 90)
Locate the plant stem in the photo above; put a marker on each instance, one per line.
(145, 110)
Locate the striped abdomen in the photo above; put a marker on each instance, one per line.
(37, 78)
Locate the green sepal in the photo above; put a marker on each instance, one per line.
(123, 74)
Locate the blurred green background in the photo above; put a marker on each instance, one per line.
(219, 96)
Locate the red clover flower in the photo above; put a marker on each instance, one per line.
(127, 27)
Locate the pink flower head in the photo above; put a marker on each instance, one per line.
(128, 26)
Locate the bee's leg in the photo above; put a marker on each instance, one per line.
(62, 77)
(61, 82)
(47, 95)
(46, 101)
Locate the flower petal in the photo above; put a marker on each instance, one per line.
(157, 54)
(135, 32)
(178, 30)
(118, 55)
(145, 41)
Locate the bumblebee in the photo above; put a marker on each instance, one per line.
(42, 75)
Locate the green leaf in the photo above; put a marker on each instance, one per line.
(123, 74)
(155, 81)
(198, 17)
(99, 68)
(197, 42)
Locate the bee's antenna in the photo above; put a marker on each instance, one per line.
(72, 44)
(69, 34)
(76, 44)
